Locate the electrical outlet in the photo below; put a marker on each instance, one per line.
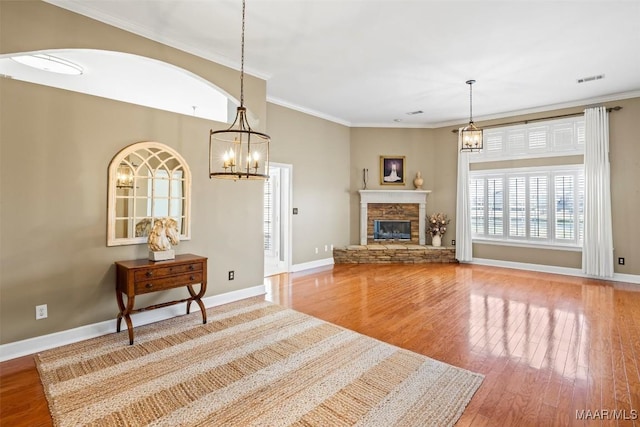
(326, 248)
(331, 247)
(621, 261)
(316, 250)
(41, 311)
(453, 242)
(232, 275)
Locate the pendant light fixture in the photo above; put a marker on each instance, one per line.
(471, 135)
(124, 176)
(239, 152)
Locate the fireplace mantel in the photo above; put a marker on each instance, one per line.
(393, 196)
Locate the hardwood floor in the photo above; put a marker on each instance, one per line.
(548, 345)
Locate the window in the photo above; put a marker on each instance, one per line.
(494, 206)
(538, 206)
(529, 205)
(560, 137)
(541, 205)
(517, 206)
(477, 196)
(268, 216)
(166, 195)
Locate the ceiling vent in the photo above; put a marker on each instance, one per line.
(413, 113)
(590, 78)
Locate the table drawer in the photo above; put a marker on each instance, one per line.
(152, 285)
(159, 272)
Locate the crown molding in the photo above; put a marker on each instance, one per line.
(309, 111)
(460, 122)
(586, 102)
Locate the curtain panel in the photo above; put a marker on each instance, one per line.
(597, 251)
(464, 244)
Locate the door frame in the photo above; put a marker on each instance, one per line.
(286, 200)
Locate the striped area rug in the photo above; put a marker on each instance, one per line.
(253, 364)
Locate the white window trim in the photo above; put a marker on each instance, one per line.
(526, 244)
(551, 242)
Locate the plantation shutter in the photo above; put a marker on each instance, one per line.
(564, 207)
(581, 207)
(538, 206)
(495, 207)
(538, 138)
(268, 216)
(493, 143)
(517, 206)
(516, 140)
(476, 196)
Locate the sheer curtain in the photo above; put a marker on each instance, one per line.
(597, 249)
(464, 249)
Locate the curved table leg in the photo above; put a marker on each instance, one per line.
(121, 307)
(125, 313)
(127, 319)
(196, 297)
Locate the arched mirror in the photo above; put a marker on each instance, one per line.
(147, 180)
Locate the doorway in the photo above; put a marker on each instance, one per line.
(277, 221)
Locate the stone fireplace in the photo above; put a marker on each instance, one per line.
(404, 211)
(393, 207)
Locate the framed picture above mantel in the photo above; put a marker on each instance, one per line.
(392, 170)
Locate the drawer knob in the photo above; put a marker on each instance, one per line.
(192, 277)
(149, 285)
(192, 267)
(149, 273)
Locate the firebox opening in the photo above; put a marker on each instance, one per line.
(391, 230)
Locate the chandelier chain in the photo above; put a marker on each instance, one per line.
(471, 102)
(242, 58)
(239, 152)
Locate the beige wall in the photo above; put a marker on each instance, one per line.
(419, 148)
(319, 152)
(625, 197)
(625, 184)
(55, 149)
(434, 152)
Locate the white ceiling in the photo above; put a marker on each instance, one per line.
(368, 62)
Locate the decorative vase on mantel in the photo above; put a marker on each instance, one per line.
(436, 240)
(418, 181)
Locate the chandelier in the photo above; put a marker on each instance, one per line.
(239, 152)
(124, 177)
(471, 135)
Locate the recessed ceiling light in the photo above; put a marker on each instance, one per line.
(50, 63)
(590, 78)
(397, 120)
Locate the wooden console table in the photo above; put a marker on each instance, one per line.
(142, 276)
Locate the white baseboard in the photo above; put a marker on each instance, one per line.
(617, 277)
(311, 264)
(57, 339)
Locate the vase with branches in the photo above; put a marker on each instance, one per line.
(437, 226)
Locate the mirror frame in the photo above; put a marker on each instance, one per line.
(112, 240)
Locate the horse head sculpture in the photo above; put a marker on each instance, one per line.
(164, 233)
